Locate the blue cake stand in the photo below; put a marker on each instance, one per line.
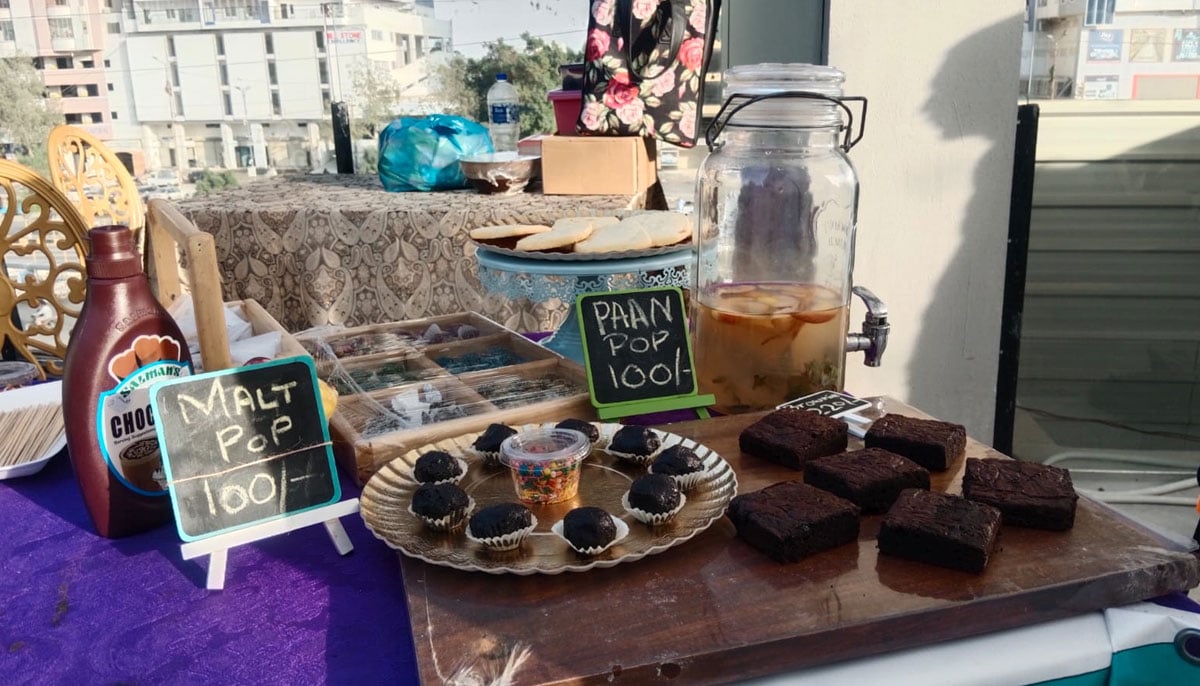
(540, 280)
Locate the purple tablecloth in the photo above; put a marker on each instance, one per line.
(81, 609)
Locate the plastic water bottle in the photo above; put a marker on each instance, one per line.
(504, 110)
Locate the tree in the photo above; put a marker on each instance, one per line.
(376, 95)
(25, 115)
(463, 82)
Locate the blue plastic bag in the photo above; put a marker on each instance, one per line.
(422, 153)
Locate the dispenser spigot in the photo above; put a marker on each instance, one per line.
(874, 336)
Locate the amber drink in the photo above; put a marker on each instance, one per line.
(760, 344)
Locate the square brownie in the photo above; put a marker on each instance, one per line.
(1026, 493)
(793, 437)
(791, 520)
(940, 529)
(932, 444)
(871, 478)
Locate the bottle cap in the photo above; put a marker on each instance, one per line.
(501, 76)
(113, 255)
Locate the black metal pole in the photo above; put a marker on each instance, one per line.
(1020, 207)
(342, 147)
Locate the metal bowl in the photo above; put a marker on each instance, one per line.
(501, 173)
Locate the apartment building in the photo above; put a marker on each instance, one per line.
(1113, 49)
(68, 43)
(191, 84)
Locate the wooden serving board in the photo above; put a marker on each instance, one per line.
(716, 609)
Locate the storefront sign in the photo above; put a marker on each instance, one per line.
(343, 37)
(827, 403)
(244, 445)
(1101, 87)
(637, 352)
(1186, 46)
(1104, 46)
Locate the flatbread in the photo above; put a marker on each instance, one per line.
(484, 233)
(556, 239)
(615, 238)
(568, 223)
(664, 228)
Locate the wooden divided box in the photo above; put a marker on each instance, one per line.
(407, 384)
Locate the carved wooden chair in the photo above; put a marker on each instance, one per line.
(86, 171)
(42, 274)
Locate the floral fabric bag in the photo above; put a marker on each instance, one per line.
(644, 67)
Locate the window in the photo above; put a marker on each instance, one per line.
(87, 64)
(175, 75)
(320, 39)
(61, 28)
(110, 88)
(60, 3)
(228, 104)
(108, 4)
(187, 14)
(73, 118)
(270, 43)
(107, 63)
(224, 74)
(178, 104)
(92, 90)
(323, 71)
(172, 13)
(326, 102)
(376, 34)
(114, 27)
(272, 74)
(64, 63)
(6, 30)
(221, 45)
(230, 11)
(4, 4)
(171, 46)
(275, 107)
(112, 115)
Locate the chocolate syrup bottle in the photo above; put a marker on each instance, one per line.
(123, 342)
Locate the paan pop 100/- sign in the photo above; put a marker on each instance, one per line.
(637, 352)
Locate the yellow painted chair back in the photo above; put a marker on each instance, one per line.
(44, 243)
(86, 171)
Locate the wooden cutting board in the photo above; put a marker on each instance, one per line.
(715, 609)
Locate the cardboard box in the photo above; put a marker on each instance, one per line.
(598, 165)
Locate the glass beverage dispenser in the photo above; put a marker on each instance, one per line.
(776, 201)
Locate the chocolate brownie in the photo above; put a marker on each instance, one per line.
(870, 478)
(654, 493)
(435, 466)
(791, 520)
(932, 444)
(586, 428)
(589, 527)
(940, 529)
(1026, 493)
(793, 437)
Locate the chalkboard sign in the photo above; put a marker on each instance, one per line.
(637, 351)
(244, 445)
(828, 403)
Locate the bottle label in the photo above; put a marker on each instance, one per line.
(505, 113)
(125, 423)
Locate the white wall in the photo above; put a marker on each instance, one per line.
(935, 168)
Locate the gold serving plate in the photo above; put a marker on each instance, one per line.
(603, 481)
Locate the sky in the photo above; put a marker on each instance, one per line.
(478, 21)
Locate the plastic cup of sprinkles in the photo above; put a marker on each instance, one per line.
(545, 463)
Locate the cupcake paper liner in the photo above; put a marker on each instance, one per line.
(642, 460)
(450, 521)
(652, 518)
(489, 459)
(510, 541)
(622, 532)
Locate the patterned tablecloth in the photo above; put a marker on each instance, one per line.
(317, 250)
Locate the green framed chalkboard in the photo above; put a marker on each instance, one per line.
(637, 352)
(243, 446)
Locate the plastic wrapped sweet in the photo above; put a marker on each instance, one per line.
(422, 154)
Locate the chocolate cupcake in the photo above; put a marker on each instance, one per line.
(636, 444)
(681, 463)
(586, 428)
(502, 526)
(653, 499)
(488, 443)
(437, 466)
(590, 530)
(441, 506)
